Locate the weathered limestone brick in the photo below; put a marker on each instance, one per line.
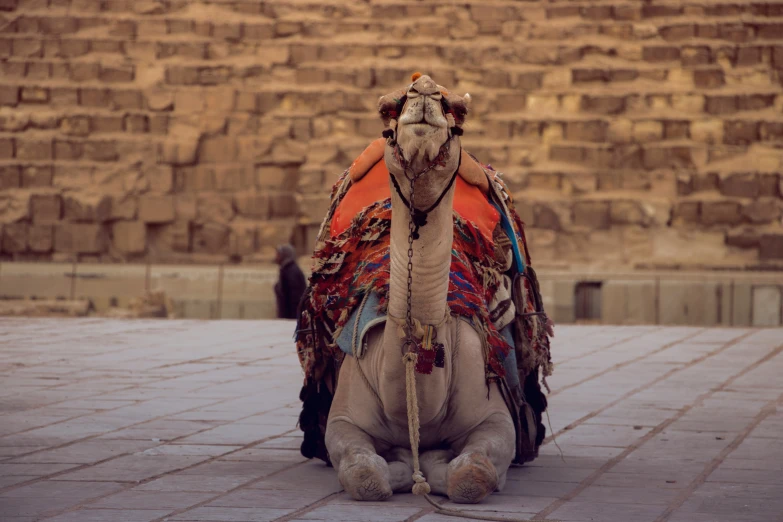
(214, 208)
(231, 178)
(243, 238)
(10, 177)
(124, 207)
(592, 214)
(707, 131)
(40, 238)
(129, 237)
(80, 238)
(552, 215)
(686, 213)
(766, 210)
(45, 208)
(156, 209)
(603, 104)
(253, 204)
(771, 247)
(740, 132)
(721, 213)
(283, 205)
(314, 207)
(15, 237)
(85, 206)
(211, 238)
(184, 122)
(741, 185)
(644, 131)
(708, 78)
(33, 149)
(9, 95)
(629, 212)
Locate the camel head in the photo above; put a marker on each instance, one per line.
(423, 124)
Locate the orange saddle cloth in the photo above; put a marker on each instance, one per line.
(469, 202)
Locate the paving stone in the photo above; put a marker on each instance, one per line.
(58, 495)
(133, 468)
(270, 498)
(237, 433)
(194, 483)
(746, 476)
(114, 515)
(181, 408)
(755, 502)
(358, 513)
(228, 514)
(86, 452)
(595, 510)
(151, 500)
(32, 470)
(266, 455)
(626, 495)
(63, 489)
(190, 449)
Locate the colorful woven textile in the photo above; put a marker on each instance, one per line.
(355, 262)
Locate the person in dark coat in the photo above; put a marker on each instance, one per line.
(291, 285)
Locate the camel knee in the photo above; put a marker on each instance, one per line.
(471, 477)
(365, 476)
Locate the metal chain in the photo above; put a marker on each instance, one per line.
(411, 228)
(409, 341)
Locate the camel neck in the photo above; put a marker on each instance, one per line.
(431, 261)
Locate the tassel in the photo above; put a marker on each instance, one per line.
(419, 220)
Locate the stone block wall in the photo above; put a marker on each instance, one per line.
(633, 134)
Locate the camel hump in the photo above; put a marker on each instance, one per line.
(470, 202)
(367, 159)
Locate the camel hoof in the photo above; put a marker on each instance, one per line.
(470, 478)
(365, 477)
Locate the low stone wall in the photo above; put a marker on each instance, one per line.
(228, 292)
(207, 132)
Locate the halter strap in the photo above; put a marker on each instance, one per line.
(420, 216)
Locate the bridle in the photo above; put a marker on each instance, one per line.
(419, 217)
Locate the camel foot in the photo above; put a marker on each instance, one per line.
(365, 477)
(471, 478)
(400, 469)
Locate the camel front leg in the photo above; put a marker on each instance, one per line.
(362, 472)
(482, 464)
(400, 469)
(435, 466)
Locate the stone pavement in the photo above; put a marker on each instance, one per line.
(142, 421)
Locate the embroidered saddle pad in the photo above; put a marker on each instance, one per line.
(489, 255)
(469, 202)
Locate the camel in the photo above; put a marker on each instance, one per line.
(467, 436)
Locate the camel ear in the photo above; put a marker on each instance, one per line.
(458, 106)
(389, 106)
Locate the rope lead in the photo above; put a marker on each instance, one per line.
(420, 485)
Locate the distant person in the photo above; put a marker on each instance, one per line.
(291, 286)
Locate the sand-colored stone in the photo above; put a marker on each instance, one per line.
(173, 116)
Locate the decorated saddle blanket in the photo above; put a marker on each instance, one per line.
(351, 260)
(351, 340)
(492, 286)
